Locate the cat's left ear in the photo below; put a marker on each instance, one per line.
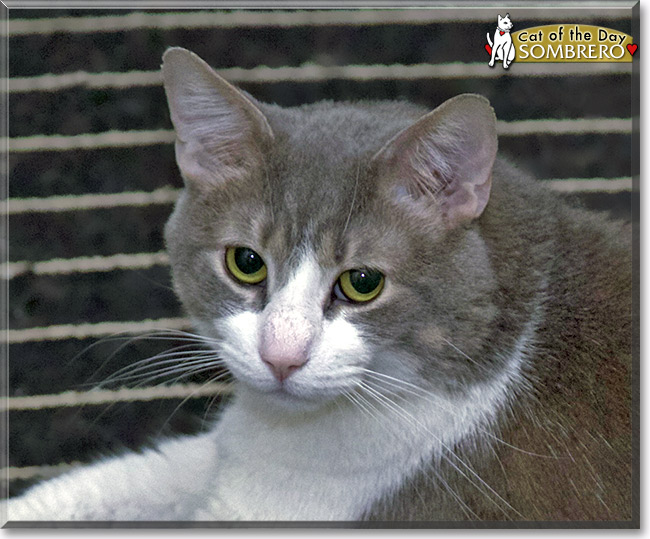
(444, 160)
(221, 135)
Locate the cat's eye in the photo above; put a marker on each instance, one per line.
(359, 285)
(245, 265)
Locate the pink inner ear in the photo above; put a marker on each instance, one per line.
(447, 157)
(220, 132)
(466, 203)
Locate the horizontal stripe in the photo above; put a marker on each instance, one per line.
(593, 185)
(164, 195)
(87, 264)
(84, 331)
(289, 19)
(119, 139)
(108, 396)
(317, 73)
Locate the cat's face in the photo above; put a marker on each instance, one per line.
(319, 254)
(504, 23)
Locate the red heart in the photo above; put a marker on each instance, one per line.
(632, 48)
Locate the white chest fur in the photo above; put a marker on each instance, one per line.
(335, 465)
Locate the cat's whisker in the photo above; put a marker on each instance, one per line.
(168, 371)
(411, 420)
(149, 377)
(367, 406)
(129, 341)
(402, 386)
(174, 354)
(182, 356)
(185, 369)
(465, 508)
(418, 391)
(362, 404)
(145, 383)
(424, 394)
(198, 369)
(448, 342)
(98, 342)
(175, 335)
(162, 334)
(177, 358)
(211, 401)
(418, 425)
(158, 358)
(354, 198)
(390, 405)
(399, 383)
(190, 396)
(270, 193)
(191, 345)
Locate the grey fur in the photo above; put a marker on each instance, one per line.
(461, 295)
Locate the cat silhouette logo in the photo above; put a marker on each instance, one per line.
(502, 48)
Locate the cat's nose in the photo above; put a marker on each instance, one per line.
(283, 359)
(285, 343)
(282, 367)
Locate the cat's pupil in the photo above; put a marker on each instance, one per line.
(365, 281)
(247, 260)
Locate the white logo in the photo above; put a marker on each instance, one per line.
(502, 49)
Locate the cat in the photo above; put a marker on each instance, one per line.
(419, 332)
(502, 48)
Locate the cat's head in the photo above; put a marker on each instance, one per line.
(504, 23)
(330, 245)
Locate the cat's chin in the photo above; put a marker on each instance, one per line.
(285, 400)
(291, 403)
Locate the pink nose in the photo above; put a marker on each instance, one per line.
(285, 343)
(283, 367)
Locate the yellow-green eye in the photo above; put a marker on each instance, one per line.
(245, 265)
(361, 285)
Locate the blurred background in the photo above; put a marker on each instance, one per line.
(93, 178)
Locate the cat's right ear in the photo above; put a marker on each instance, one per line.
(220, 134)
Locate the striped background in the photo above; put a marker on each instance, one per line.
(92, 178)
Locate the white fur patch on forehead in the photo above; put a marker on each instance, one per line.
(307, 283)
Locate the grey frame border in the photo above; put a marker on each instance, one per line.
(4, 253)
(635, 6)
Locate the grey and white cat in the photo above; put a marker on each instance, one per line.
(417, 331)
